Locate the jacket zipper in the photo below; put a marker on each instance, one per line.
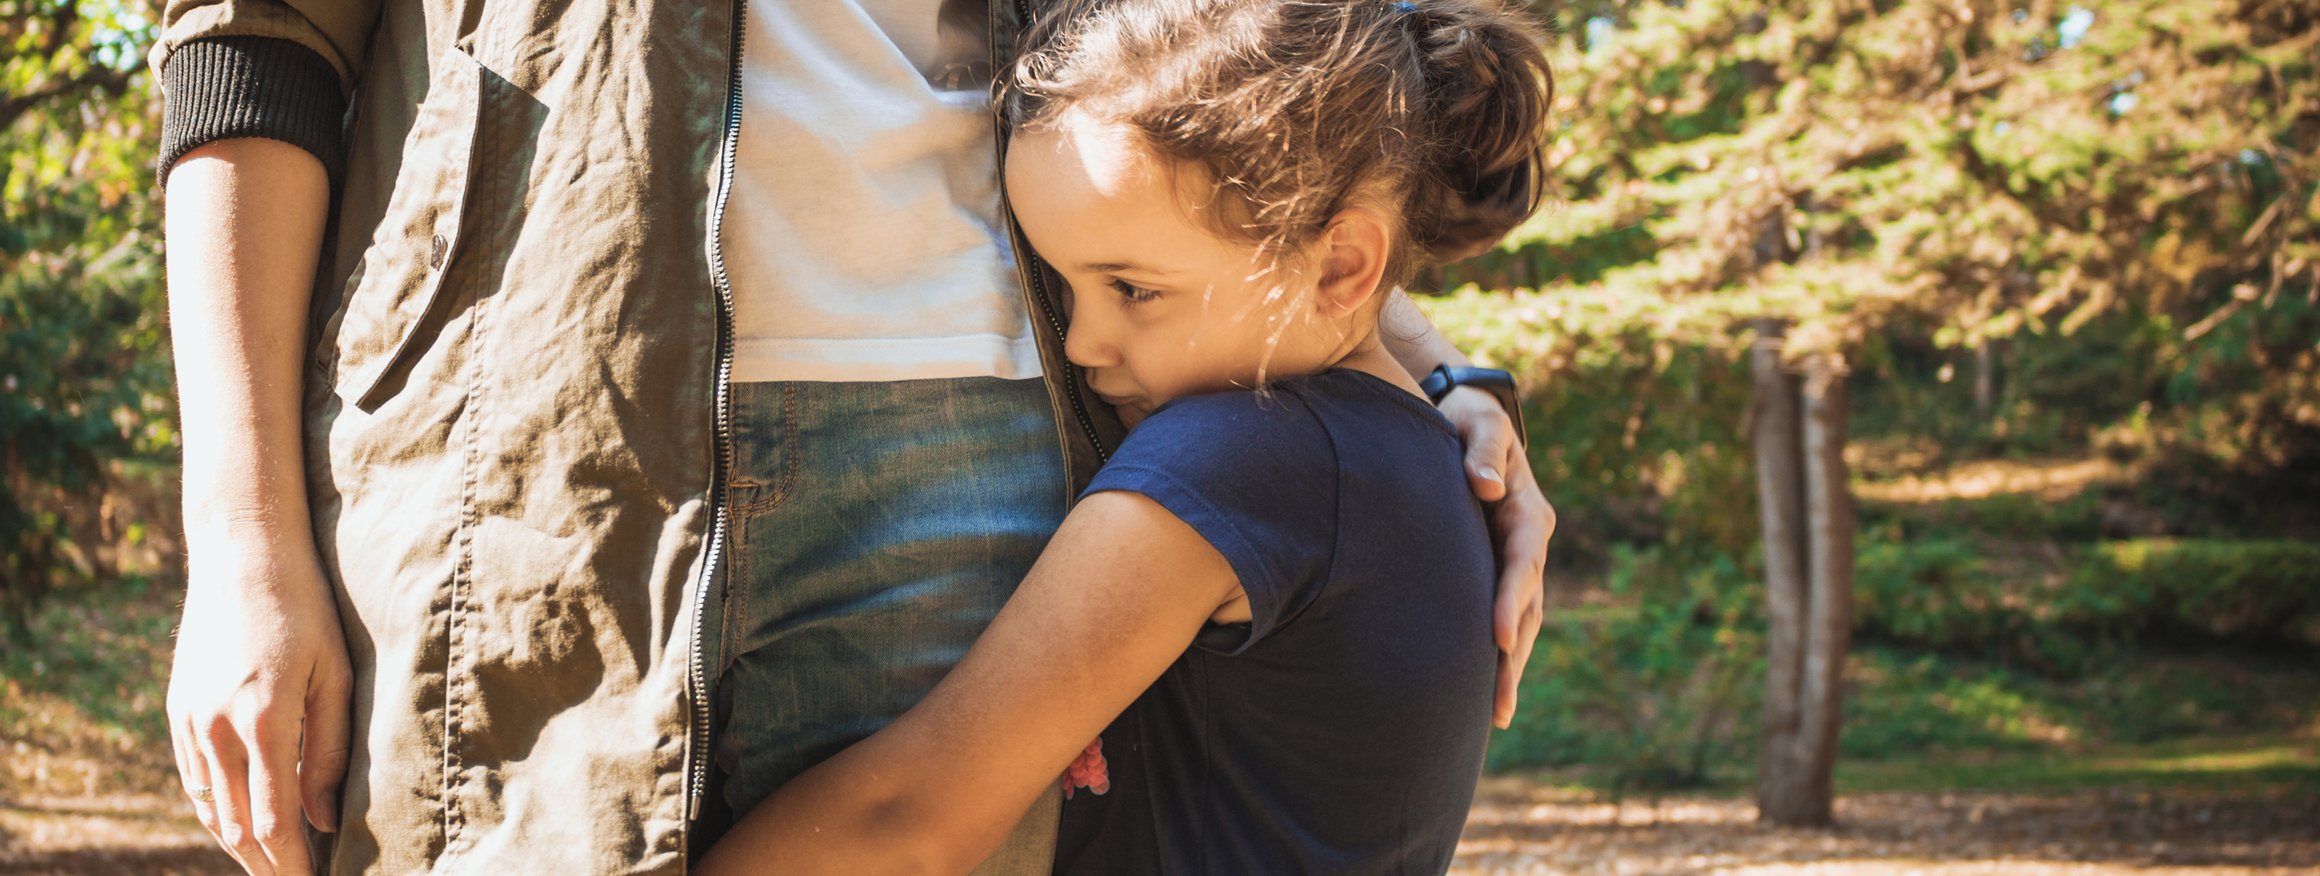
(1027, 265)
(697, 765)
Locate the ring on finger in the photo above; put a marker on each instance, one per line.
(204, 794)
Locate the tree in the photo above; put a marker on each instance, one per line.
(1964, 171)
(83, 356)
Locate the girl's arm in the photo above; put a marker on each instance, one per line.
(1113, 601)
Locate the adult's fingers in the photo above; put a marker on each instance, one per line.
(229, 766)
(1524, 522)
(1517, 617)
(1512, 660)
(1509, 687)
(193, 772)
(323, 750)
(1486, 465)
(1491, 445)
(274, 794)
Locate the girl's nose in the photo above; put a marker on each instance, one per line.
(1086, 340)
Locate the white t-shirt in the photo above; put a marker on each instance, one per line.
(862, 237)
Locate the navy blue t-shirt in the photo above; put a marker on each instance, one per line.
(1341, 730)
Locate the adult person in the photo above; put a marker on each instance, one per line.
(467, 459)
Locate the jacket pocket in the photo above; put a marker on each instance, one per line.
(399, 284)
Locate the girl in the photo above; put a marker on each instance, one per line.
(1279, 586)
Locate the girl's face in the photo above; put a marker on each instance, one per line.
(1160, 307)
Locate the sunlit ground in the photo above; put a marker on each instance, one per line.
(2052, 479)
(2210, 807)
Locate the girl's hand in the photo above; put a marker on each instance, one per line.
(1520, 519)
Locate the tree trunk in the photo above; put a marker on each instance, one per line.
(1829, 623)
(1776, 434)
(1985, 379)
(1810, 599)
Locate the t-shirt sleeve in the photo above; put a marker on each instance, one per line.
(1258, 480)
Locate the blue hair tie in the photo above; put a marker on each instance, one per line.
(1405, 7)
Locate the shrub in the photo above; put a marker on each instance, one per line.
(2062, 608)
(1662, 685)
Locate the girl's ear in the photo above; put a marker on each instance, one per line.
(1353, 259)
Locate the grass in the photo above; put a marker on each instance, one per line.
(2211, 763)
(81, 709)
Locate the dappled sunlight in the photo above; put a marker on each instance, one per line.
(82, 713)
(2046, 479)
(2274, 757)
(52, 746)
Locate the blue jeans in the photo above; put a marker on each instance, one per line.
(876, 530)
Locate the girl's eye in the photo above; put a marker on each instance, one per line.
(1133, 293)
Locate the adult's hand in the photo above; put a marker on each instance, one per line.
(258, 695)
(1521, 521)
(258, 699)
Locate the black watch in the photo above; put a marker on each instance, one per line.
(1498, 383)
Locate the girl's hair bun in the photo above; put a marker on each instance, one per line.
(1487, 91)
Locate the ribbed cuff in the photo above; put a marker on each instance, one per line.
(244, 86)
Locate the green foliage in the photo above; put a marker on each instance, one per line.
(1913, 703)
(106, 653)
(1989, 166)
(84, 371)
(2110, 204)
(1661, 685)
(2242, 398)
(1652, 696)
(2066, 609)
(2244, 589)
(1905, 705)
(1636, 437)
(2124, 195)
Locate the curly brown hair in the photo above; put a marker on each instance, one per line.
(1434, 110)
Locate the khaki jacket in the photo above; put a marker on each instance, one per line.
(517, 414)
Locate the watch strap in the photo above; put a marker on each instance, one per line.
(1500, 384)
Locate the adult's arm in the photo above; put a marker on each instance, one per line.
(258, 691)
(1500, 475)
(254, 100)
(1115, 598)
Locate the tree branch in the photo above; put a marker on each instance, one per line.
(100, 78)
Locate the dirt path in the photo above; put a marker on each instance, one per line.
(108, 834)
(1521, 826)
